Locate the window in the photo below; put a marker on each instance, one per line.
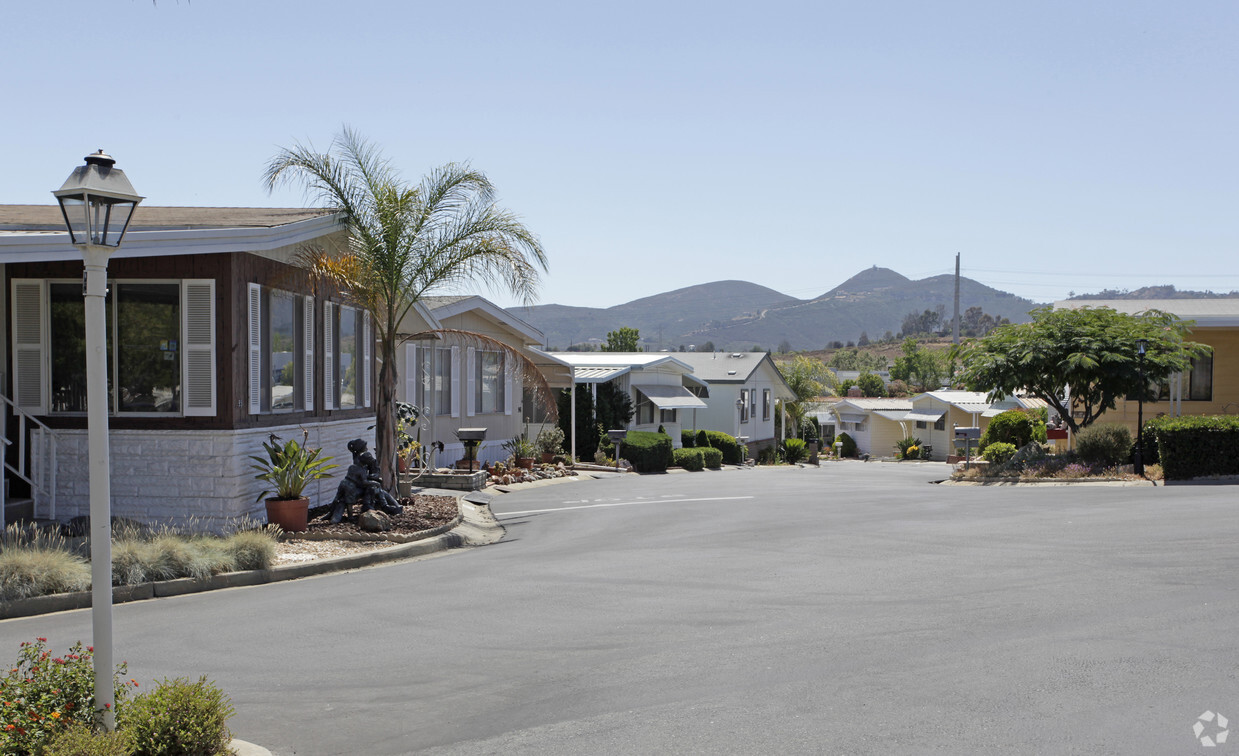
(1199, 386)
(281, 350)
(347, 345)
(666, 416)
(940, 424)
(159, 342)
(765, 404)
(645, 410)
(489, 383)
(744, 405)
(921, 425)
(442, 383)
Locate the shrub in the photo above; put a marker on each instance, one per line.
(550, 440)
(1198, 446)
(999, 452)
(727, 444)
(648, 452)
(848, 449)
(809, 430)
(690, 459)
(43, 694)
(703, 440)
(37, 570)
(1015, 427)
(251, 549)
(80, 740)
(794, 450)
(688, 439)
(1105, 444)
(768, 456)
(713, 457)
(179, 717)
(908, 448)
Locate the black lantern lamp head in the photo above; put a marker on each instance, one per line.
(97, 202)
(1142, 346)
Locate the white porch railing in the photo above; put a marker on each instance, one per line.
(36, 457)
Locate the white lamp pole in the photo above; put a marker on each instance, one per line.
(97, 202)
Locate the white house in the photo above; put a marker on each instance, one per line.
(745, 390)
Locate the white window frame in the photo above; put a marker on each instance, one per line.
(258, 340)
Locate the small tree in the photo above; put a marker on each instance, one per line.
(1091, 351)
(808, 379)
(871, 384)
(624, 340)
(918, 366)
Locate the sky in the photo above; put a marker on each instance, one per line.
(1057, 147)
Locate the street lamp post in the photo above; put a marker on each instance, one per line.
(97, 202)
(1142, 346)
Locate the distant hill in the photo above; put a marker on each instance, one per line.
(1156, 292)
(737, 315)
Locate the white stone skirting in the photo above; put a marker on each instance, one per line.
(175, 475)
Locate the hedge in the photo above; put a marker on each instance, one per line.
(690, 459)
(1198, 446)
(713, 457)
(727, 444)
(648, 452)
(688, 439)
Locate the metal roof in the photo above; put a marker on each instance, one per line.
(599, 374)
(924, 416)
(23, 218)
(671, 397)
(1217, 312)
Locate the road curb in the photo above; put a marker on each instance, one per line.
(476, 527)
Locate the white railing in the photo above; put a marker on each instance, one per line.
(36, 457)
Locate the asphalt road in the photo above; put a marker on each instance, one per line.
(850, 609)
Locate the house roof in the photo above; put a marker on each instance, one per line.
(1208, 313)
(720, 367)
(36, 233)
(27, 218)
(635, 360)
(446, 306)
(871, 403)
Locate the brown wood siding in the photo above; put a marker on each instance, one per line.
(231, 272)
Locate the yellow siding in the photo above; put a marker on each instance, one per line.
(1225, 343)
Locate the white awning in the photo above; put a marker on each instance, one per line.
(599, 374)
(671, 397)
(995, 411)
(850, 417)
(924, 416)
(895, 415)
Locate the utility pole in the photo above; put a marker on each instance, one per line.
(956, 320)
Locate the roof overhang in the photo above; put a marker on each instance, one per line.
(924, 416)
(491, 312)
(671, 397)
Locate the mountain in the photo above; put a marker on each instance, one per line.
(737, 315)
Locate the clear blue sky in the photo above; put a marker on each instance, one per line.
(1058, 146)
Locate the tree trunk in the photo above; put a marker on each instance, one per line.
(385, 420)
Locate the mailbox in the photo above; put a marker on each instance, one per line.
(967, 434)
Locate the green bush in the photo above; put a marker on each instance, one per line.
(648, 452)
(38, 570)
(794, 450)
(43, 694)
(688, 439)
(251, 549)
(999, 452)
(908, 448)
(848, 449)
(732, 453)
(1197, 446)
(1104, 444)
(809, 430)
(179, 718)
(1015, 427)
(712, 457)
(80, 740)
(703, 440)
(690, 459)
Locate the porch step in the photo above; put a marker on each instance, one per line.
(18, 510)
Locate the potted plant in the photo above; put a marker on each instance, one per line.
(288, 467)
(522, 450)
(550, 441)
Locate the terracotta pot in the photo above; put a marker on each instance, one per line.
(525, 462)
(292, 515)
(548, 457)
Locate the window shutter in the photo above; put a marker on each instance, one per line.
(198, 347)
(255, 344)
(455, 397)
(329, 351)
(471, 381)
(29, 386)
(410, 374)
(367, 348)
(508, 381)
(307, 323)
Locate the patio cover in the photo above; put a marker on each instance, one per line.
(599, 374)
(671, 397)
(924, 416)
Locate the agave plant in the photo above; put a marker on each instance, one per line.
(290, 466)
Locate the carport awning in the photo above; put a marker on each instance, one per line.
(599, 374)
(924, 416)
(671, 397)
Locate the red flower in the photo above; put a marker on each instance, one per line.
(41, 640)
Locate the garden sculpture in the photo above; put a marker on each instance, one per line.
(362, 483)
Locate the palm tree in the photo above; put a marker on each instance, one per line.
(808, 378)
(406, 242)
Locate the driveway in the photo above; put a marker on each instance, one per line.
(851, 609)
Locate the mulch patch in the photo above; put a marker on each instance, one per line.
(421, 512)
